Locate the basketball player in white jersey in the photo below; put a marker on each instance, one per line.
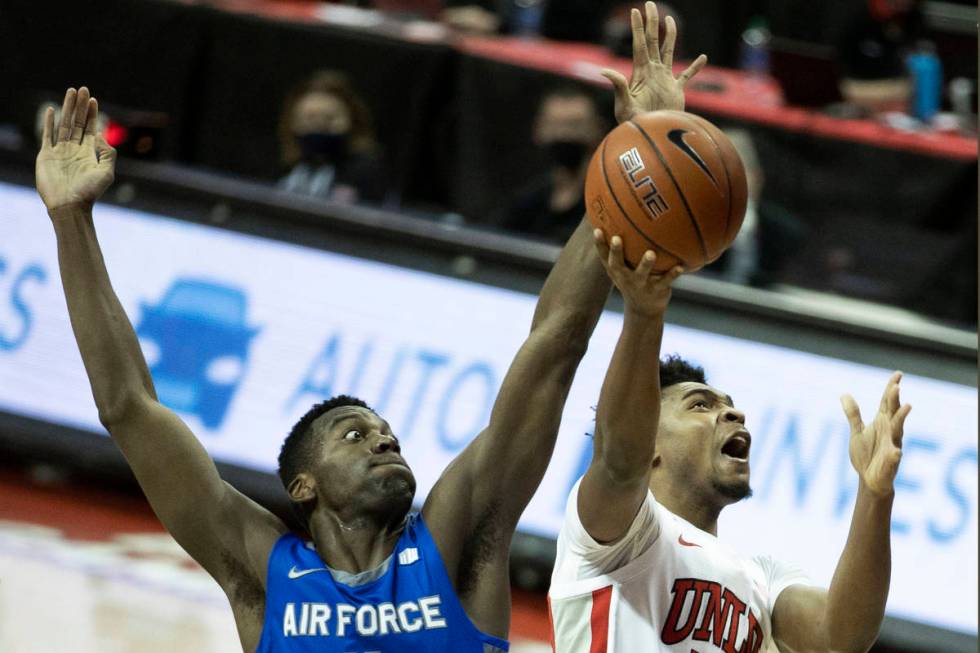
(640, 567)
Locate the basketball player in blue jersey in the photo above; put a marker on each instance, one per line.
(373, 577)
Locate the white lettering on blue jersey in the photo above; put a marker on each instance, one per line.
(430, 612)
(416, 622)
(304, 620)
(319, 618)
(368, 619)
(289, 620)
(344, 614)
(388, 618)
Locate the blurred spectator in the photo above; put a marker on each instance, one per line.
(769, 236)
(411, 9)
(871, 38)
(562, 20)
(472, 18)
(873, 51)
(568, 127)
(327, 142)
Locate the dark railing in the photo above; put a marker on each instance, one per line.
(837, 315)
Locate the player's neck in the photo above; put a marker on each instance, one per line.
(354, 544)
(688, 505)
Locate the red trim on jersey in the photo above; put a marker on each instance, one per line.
(600, 619)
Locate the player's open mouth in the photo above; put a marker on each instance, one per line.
(737, 446)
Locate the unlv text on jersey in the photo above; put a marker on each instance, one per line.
(718, 622)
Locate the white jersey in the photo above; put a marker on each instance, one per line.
(665, 586)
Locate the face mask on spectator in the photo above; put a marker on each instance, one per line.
(567, 154)
(323, 147)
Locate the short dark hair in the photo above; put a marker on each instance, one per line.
(571, 92)
(674, 370)
(337, 84)
(296, 450)
(568, 92)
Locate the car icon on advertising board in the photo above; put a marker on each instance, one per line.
(196, 343)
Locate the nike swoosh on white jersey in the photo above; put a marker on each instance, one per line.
(299, 573)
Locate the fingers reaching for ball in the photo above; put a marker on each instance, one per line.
(610, 252)
(615, 246)
(645, 290)
(645, 267)
(616, 262)
(599, 237)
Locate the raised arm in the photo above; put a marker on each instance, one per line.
(502, 467)
(219, 527)
(629, 404)
(847, 617)
(473, 509)
(615, 484)
(475, 505)
(513, 452)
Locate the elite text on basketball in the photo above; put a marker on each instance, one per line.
(633, 166)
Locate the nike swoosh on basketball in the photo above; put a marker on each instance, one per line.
(299, 573)
(683, 542)
(676, 136)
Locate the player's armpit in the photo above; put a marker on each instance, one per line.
(608, 504)
(247, 532)
(798, 620)
(210, 520)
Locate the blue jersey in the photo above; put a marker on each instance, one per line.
(407, 605)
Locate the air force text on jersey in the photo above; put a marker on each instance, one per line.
(366, 620)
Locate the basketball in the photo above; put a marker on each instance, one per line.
(671, 182)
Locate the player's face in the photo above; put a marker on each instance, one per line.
(703, 442)
(359, 464)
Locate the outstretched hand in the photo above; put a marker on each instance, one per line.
(75, 164)
(652, 85)
(645, 292)
(876, 448)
